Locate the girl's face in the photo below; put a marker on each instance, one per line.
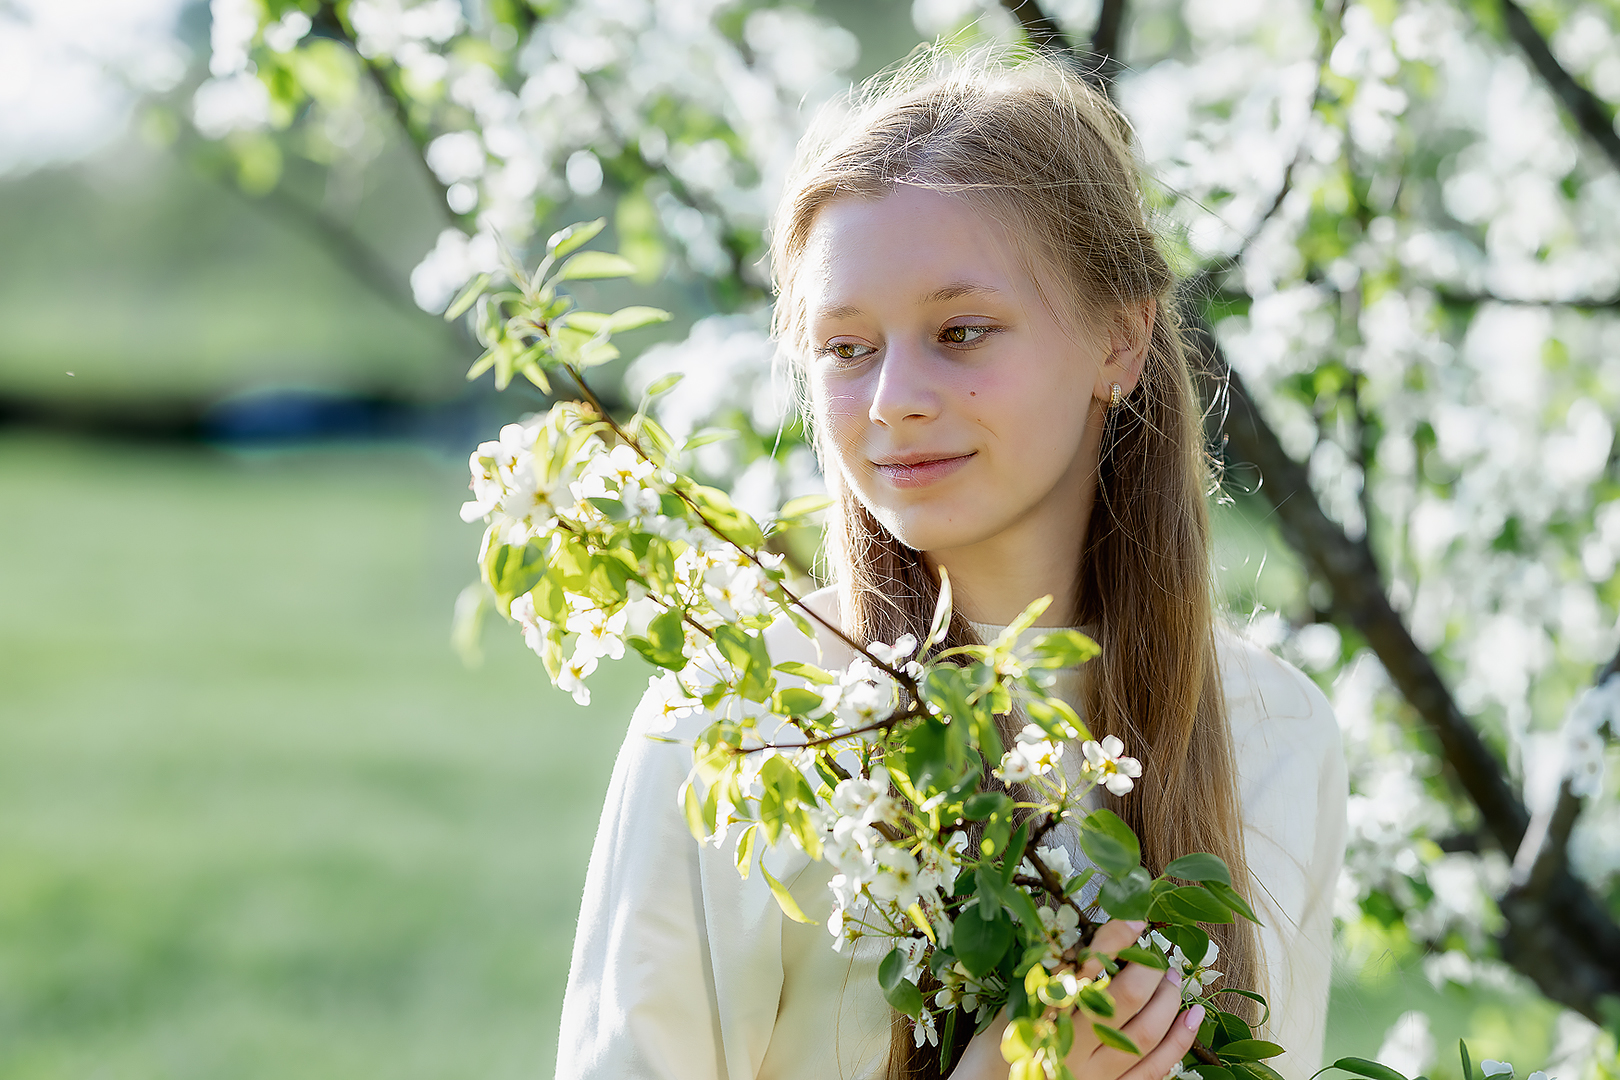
(955, 403)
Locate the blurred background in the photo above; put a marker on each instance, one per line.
(261, 817)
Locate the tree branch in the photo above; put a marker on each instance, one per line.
(1107, 41)
(1100, 67)
(1197, 285)
(1042, 31)
(1590, 114)
(328, 24)
(1359, 598)
(1580, 303)
(1556, 933)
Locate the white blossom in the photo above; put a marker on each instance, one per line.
(600, 634)
(534, 629)
(1116, 772)
(867, 800)
(863, 694)
(573, 674)
(1056, 859)
(1063, 923)
(903, 647)
(897, 878)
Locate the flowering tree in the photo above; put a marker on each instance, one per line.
(1399, 228)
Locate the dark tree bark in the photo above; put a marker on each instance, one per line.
(1592, 116)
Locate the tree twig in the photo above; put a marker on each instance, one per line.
(590, 396)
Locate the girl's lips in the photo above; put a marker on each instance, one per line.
(921, 473)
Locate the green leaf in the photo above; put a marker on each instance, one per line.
(550, 601)
(1127, 897)
(1233, 1028)
(803, 506)
(1199, 866)
(573, 237)
(807, 672)
(1024, 620)
(1015, 852)
(1214, 1072)
(1189, 904)
(1255, 1070)
(1192, 941)
(1021, 904)
(901, 992)
(745, 850)
(466, 298)
(927, 757)
(1229, 896)
(1255, 1049)
(1135, 954)
(784, 899)
(986, 803)
(510, 571)
(796, 701)
(665, 641)
(1115, 1038)
(663, 385)
(692, 807)
(980, 944)
(942, 614)
(1462, 1049)
(1097, 1001)
(595, 264)
(706, 436)
(747, 654)
(1063, 648)
(1265, 1015)
(988, 888)
(1109, 842)
(1376, 1071)
(588, 323)
(719, 510)
(633, 318)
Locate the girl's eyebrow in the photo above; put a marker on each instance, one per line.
(957, 289)
(954, 291)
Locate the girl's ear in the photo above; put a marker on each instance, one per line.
(1130, 333)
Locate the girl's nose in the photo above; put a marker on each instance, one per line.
(903, 389)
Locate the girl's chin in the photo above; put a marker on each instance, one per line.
(938, 530)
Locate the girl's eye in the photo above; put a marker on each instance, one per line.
(845, 350)
(965, 335)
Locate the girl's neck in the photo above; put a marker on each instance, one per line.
(994, 581)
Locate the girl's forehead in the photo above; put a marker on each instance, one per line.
(913, 239)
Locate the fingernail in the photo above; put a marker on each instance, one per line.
(1136, 925)
(1193, 1017)
(1174, 976)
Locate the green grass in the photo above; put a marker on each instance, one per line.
(256, 820)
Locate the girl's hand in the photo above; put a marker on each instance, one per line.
(1148, 1004)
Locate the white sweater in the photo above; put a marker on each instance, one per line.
(683, 971)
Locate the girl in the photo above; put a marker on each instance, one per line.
(998, 387)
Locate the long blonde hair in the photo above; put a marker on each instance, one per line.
(1050, 159)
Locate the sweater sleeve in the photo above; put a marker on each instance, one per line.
(658, 986)
(1291, 770)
